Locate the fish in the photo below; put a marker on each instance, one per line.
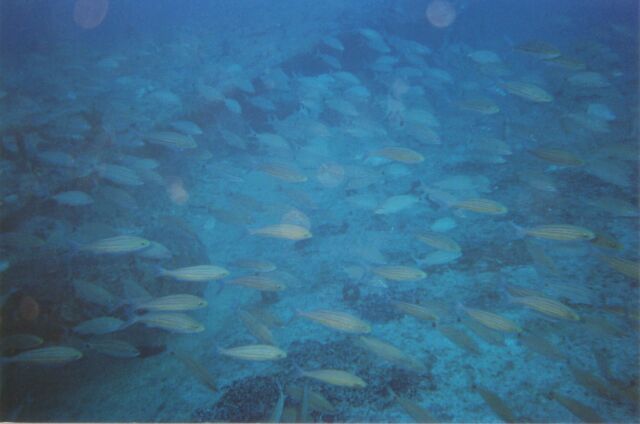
(415, 411)
(497, 405)
(390, 353)
(93, 293)
(304, 404)
(186, 127)
(482, 106)
(45, 356)
(593, 383)
(539, 50)
(395, 204)
(283, 172)
(580, 410)
(199, 371)
(422, 312)
(114, 348)
(116, 245)
(259, 282)
(624, 266)
(255, 265)
(276, 414)
(283, 231)
(559, 232)
(588, 79)
(492, 321)
(20, 342)
(119, 175)
(459, 338)
(485, 333)
(73, 198)
(172, 303)
(399, 154)
(549, 307)
(337, 320)
(172, 140)
(557, 156)
(484, 206)
(255, 352)
(527, 91)
(439, 241)
(195, 273)
(174, 322)
(316, 401)
(335, 378)
(542, 346)
(399, 273)
(606, 241)
(155, 251)
(257, 328)
(100, 325)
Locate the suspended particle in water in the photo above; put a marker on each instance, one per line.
(88, 14)
(440, 13)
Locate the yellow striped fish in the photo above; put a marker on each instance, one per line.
(560, 232)
(549, 307)
(114, 348)
(337, 320)
(195, 273)
(493, 321)
(283, 172)
(480, 105)
(390, 353)
(173, 322)
(399, 154)
(440, 242)
(527, 91)
(336, 378)
(283, 231)
(46, 355)
(580, 410)
(557, 156)
(417, 311)
(171, 139)
(256, 265)
(117, 245)
(259, 282)
(417, 412)
(624, 266)
(317, 402)
(174, 302)
(479, 205)
(257, 329)
(399, 273)
(255, 352)
(539, 49)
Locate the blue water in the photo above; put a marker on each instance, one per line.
(308, 150)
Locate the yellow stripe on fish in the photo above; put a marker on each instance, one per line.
(338, 321)
(527, 91)
(493, 321)
(174, 302)
(557, 156)
(256, 352)
(399, 154)
(259, 282)
(283, 172)
(336, 378)
(283, 231)
(117, 245)
(549, 307)
(196, 273)
(560, 232)
(440, 242)
(479, 205)
(399, 273)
